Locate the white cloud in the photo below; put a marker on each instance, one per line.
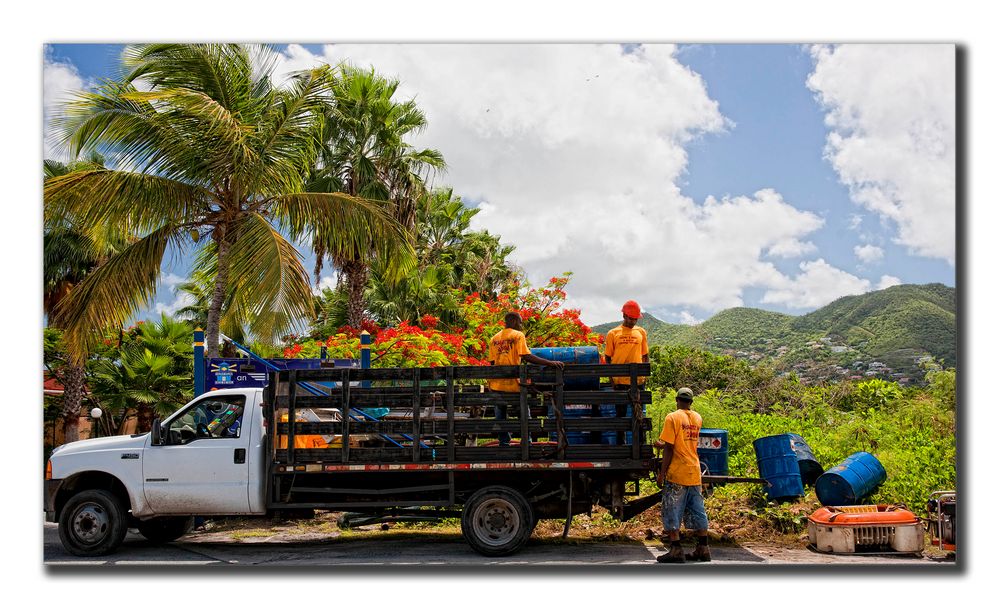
(856, 220)
(172, 280)
(891, 110)
(575, 152)
(868, 253)
(60, 81)
(686, 318)
(180, 300)
(791, 248)
(888, 281)
(818, 284)
(324, 282)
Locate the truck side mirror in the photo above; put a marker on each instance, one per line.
(156, 433)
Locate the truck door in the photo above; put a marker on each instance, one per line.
(201, 467)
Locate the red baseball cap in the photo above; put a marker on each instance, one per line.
(632, 309)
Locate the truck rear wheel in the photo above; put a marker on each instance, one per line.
(92, 523)
(161, 530)
(497, 521)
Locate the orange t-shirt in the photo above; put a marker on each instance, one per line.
(625, 345)
(506, 348)
(681, 429)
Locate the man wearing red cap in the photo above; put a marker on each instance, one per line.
(626, 343)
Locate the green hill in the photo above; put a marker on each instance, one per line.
(895, 326)
(650, 323)
(904, 317)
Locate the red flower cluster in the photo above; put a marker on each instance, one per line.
(465, 343)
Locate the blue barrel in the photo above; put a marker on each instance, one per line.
(574, 437)
(850, 481)
(609, 410)
(808, 465)
(712, 450)
(779, 466)
(572, 355)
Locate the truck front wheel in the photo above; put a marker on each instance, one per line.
(497, 521)
(161, 530)
(92, 523)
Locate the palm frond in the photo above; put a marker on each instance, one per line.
(104, 197)
(346, 226)
(111, 294)
(267, 266)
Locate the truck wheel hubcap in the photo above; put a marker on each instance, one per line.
(90, 524)
(496, 522)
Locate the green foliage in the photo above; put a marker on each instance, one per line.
(148, 372)
(913, 438)
(677, 366)
(943, 386)
(875, 393)
(452, 259)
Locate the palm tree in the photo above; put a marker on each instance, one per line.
(69, 254)
(209, 154)
(450, 257)
(477, 259)
(427, 290)
(365, 155)
(149, 373)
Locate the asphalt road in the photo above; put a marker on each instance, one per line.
(432, 550)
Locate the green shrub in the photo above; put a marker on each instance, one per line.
(913, 438)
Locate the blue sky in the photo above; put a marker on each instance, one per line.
(733, 121)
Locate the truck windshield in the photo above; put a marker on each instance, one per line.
(214, 417)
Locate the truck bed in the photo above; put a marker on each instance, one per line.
(435, 411)
(438, 444)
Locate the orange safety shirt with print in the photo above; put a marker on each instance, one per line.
(506, 348)
(681, 429)
(625, 345)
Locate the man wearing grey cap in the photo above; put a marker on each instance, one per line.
(680, 478)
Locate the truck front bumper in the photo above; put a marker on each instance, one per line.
(51, 490)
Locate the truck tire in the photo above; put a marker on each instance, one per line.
(161, 530)
(93, 522)
(497, 521)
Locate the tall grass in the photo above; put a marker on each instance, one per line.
(912, 435)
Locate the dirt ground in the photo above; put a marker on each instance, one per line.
(586, 529)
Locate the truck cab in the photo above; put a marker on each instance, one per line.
(207, 458)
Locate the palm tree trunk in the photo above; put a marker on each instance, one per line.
(218, 294)
(356, 272)
(72, 400)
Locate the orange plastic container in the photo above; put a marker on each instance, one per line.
(860, 528)
(863, 515)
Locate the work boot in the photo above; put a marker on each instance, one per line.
(700, 554)
(673, 556)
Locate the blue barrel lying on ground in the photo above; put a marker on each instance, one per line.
(778, 464)
(850, 481)
(808, 465)
(572, 355)
(712, 450)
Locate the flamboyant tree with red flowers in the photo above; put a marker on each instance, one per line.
(431, 343)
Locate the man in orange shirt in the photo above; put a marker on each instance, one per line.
(626, 343)
(680, 479)
(509, 347)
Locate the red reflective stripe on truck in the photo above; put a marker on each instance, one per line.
(460, 466)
